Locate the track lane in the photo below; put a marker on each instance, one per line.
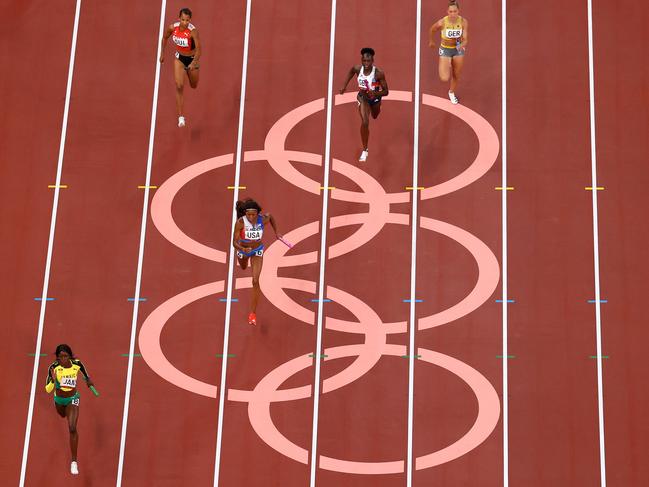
(193, 335)
(366, 420)
(445, 407)
(91, 268)
(30, 129)
(287, 68)
(553, 386)
(622, 122)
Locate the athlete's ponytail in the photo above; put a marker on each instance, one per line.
(247, 204)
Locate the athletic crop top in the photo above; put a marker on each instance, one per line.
(183, 38)
(250, 232)
(368, 82)
(451, 32)
(66, 378)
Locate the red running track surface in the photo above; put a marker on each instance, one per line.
(173, 416)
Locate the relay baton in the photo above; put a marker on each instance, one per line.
(94, 391)
(285, 242)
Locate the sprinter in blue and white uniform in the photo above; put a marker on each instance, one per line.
(247, 240)
(372, 86)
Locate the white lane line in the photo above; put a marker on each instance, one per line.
(140, 258)
(235, 197)
(598, 316)
(50, 243)
(413, 263)
(505, 290)
(323, 249)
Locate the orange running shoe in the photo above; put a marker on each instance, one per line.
(252, 319)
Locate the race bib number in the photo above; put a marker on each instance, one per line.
(453, 33)
(68, 382)
(75, 402)
(252, 234)
(181, 41)
(441, 51)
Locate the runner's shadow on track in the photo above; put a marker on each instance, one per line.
(195, 134)
(262, 329)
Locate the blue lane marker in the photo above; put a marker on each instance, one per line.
(592, 301)
(415, 300)
(133, 299)
(508, 301)
(46, 299)
(225, 300)
(324, 300)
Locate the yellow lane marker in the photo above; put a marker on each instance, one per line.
(598, 188)
(145, 187)
(62, 186)
(508, 188)
(236, 187)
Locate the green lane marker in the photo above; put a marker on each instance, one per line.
(220, 355)
(321, 356)
(34, 355)
(595, 356)
(134, 355)
(508, 356)
(408, 356)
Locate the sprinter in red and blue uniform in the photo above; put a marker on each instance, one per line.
(247, 240)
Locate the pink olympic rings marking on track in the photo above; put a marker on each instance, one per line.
(163, 200)
(267, 389)
(488, 149)
(488, 273)
(488, 270)
(280, 159)
(379, 201)
(369, 324)
(273, 287)
(149, 339)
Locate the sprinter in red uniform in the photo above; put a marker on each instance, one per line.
(188, 51)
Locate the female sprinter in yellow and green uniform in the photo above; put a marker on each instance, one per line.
(62, 379)
(455, 37)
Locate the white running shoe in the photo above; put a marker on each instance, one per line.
(181, 121)
(74, 469)
(363, 156)
(453, 98)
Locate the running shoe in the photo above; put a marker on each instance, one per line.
(363, 156)
(74, 469)
(453, 98)
(181, 121)
(252, 319)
